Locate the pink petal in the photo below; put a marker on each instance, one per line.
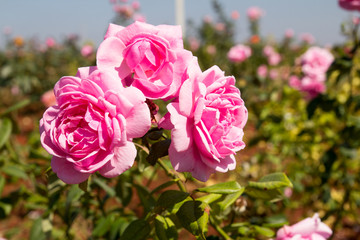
(113, 29)
(123, 159)
(66, 172)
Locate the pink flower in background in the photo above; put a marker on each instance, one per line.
(194, 43)
(308, 38)
(268, 50)
(239, 53)
(135, 5)
(235, 15)
(313, 85)
(307, 229)
(207, 123)
(139, 17)
(150, 58)
(211, 49)
(274, 59)
(274, 74)
(50, 42)
(316, 61)
(294, 82)
(207, 19)
(48, 98)
(254, 13)
(350, 4)
(220, 27)
(289, 33)
(87, 50)
(262, 71)
(92, 126)
(356, 20)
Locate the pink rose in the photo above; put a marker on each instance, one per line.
(268, 50)
(289, 33)
(350, 4)
(194, 44)
(308, 38)
(150, 58)
(316, 60)
(294, 82)
(262, 71)
(254, 13)
(313, 85)
(211, 49)
(239, 53)
(307, 229)
(87, 50)
(92, 126)
(50, 42)
(235, 15)
(48, 98)
(208, 122)
(274, 59)
(135, 5)
(273, 74)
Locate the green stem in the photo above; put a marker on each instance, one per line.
(219, 229)
(172, 175)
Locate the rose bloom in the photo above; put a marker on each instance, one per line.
(239, 53)
(194, 44)
(274, 59)
(313, 85)
(135, 5)
(92, 126)
(294, 82)
(208, 121)
(262, 71)
(308, 38)
(350, 4)
(289, 33)
(235, 15)
(87, 50)
(48, 98)
(211, 49)
(150, 58)
(254, 13)
(316, 60)
(307, 229)
(50, 42)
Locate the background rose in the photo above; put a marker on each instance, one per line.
(208, 123)
(307, 229)
(91, 127)
(350, 4)
(239, 53)
(254, 13)
(316, 60)
(150, 58)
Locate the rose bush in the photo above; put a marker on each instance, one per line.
(307, 229)
(208, 121)
(92, 126)
(150, 58)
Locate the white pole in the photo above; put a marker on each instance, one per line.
(180, 15)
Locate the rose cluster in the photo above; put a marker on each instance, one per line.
(103, 108)
(314, 64)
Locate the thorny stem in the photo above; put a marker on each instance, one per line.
(172, 175)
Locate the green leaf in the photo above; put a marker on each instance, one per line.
(2, 184)
(267, 232)
(229, 200)
(169, 198)
(194, 217)
(222, 188)
(272, 181)
(269, 187)
(116, 227)
(5, 131)
(15, 171)
(105, 187)
(158, 150)
(123, 191)
(165, 228)
(102, 226)
(36, 232)
(275, 221)
(146, 199)
(16, 106)
(137, 230)
(5, 209)
(209, 198)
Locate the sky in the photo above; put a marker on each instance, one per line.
(89, 19)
